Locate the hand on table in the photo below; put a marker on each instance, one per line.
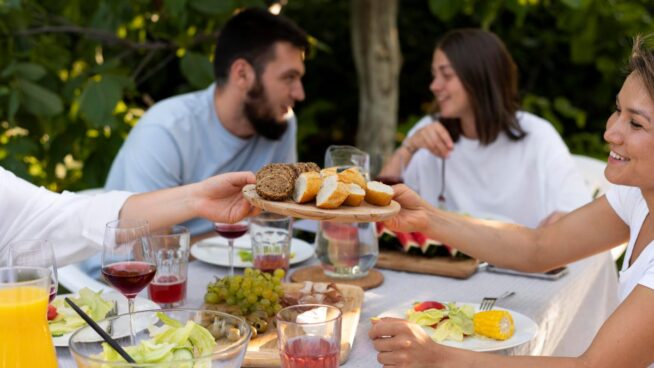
(404, 344)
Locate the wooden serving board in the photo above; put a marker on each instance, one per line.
(442, 266)
(363, 213)
(262, 351)
(373, 279)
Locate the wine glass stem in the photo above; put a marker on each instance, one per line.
(130, 308)
(230, 242)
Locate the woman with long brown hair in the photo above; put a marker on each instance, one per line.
(498, 160)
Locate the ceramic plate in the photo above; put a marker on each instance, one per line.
(216, 251)
(139, 305)
(525, 330)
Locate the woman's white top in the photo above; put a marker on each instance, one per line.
(73, 223)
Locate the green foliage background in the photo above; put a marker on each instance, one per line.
(75, 75)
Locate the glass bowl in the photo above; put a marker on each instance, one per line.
(86, 345)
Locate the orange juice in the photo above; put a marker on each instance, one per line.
(25, 340)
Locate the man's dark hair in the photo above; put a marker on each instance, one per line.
(490, 77)
(251, 35)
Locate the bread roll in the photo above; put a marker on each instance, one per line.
(307, 186)
(328, 171)
(356, 195)
(352, 175)
(378, 193)
(332, 193)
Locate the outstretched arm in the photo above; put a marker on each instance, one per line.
(218, 199)
(581, 233)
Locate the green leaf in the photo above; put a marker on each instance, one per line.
(99, 99)
(445, 9)
(574, 4)
(29, 71)
(197, 69)
(38, 100)
(14, 104)
(213, 7)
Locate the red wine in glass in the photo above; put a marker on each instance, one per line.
(270, 262)
(231, 232)
(167, 289)
(309, 352)
(129, 277)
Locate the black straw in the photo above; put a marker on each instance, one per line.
(105, 336)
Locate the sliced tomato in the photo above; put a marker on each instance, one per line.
(52, 312)
(420, 307)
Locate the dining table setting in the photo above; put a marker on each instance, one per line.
(552, 317)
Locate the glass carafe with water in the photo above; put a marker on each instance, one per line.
(347, 250)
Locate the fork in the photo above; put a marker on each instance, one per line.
(441, 195)
(112, 312)
(488, 303)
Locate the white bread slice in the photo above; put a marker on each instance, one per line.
(328, 171)
(332, 193)
(352, 175)
(307, 186)
(378, 193)
(356, 195)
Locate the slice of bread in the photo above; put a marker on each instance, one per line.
(307, 186)
(356, 195)
(275, 187)
(352, 175)
(302, 167)
(277, 169)
(332, 193)
(329, 171)
(378, 193)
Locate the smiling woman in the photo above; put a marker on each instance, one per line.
(626, 338)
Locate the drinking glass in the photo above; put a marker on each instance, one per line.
(231, 232)
(35, 253)
(309, 336)
(170, 247)
(127, 262)
(271, 236)
(348, 156)
(25, 340)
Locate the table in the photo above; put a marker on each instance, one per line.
(569, 311)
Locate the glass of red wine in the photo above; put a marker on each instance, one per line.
(232, 232)
(127, 260)
(35, 253)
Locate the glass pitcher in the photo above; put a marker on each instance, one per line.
(24, 334)
(347, 250)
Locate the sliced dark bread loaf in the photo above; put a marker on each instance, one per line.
(275, 186)
(277, 169)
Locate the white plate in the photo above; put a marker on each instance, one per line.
(525, 330)
(215, 251)
(139, 305)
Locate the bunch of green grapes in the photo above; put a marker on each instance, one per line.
(254, 291)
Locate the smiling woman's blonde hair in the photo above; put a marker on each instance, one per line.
(642, 61)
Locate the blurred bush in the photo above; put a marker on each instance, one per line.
(76, 75)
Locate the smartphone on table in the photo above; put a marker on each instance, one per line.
(554, 274)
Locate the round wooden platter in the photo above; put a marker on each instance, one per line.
(363, 213)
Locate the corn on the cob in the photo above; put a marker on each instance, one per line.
(496, 324)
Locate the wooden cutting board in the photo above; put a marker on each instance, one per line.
(363, 213)
(442, 266)
(262, 350)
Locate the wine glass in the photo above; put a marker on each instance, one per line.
(127, 261)
(35, 253)
(231, 232)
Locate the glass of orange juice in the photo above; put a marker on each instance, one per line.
(26, 340)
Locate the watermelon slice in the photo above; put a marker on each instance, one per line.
(429, 247)
(408, 243)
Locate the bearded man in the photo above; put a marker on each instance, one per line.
(241, 122)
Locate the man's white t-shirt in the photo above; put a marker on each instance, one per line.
(629, 204)
(523, 181)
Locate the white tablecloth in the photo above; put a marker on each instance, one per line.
(569, 311)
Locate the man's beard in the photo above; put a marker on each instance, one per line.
(260, 114)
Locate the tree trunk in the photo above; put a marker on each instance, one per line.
(377, 56)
